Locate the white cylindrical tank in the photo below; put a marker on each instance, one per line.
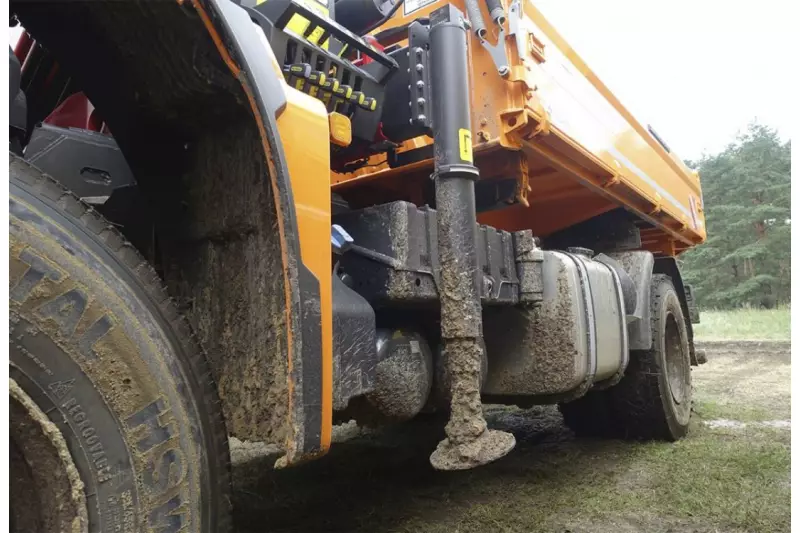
(576, 337)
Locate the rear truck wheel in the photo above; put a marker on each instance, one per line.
(115, 420)
(654, 399)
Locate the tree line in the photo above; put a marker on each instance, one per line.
(746, 196)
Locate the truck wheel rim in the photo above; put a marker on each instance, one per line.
(47, 493)
(677, 361)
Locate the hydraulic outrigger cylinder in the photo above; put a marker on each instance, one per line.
(468, 443)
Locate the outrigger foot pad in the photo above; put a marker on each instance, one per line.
(489, 446)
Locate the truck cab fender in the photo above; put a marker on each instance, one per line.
(310, 375)
(193, 95)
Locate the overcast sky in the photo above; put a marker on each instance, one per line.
(696, 70)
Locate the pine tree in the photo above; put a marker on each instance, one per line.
(746, 190)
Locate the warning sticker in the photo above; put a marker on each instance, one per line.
(299, 24)
(465, 144)
(409, 6)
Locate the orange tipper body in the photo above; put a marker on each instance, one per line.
(573, 147)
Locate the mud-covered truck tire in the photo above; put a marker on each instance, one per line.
(115, 420)
(653, 401)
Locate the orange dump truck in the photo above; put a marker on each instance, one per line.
(262, 218)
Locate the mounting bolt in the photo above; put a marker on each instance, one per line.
(419, 67)
(420, 85)
(422, 118)
(503, 71)
(421, 102)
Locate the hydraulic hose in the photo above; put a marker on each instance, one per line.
(496, 12)
(476, 18)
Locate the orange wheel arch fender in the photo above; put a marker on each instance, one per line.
(175, 81)
(242, 48)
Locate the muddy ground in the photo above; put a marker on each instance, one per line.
(730, 475)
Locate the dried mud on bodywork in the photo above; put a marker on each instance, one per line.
(226, 271)
(546, 331)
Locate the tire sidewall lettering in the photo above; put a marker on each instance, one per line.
(163, 480)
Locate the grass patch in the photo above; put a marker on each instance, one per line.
(735, 483)
(732, 479)
(707, 482)
(744, 324)
(741, 482)
(714, 480)
(711, 410)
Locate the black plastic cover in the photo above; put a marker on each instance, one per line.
(394, 256)
(354, 345)
(88, 163)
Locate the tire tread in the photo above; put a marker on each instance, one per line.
(197, 366)
(637, 399)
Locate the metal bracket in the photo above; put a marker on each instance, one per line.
(498, 52)
(418, 78)
(514, 26)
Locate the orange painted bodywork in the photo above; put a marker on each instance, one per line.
(584, 153)
(303, 128)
